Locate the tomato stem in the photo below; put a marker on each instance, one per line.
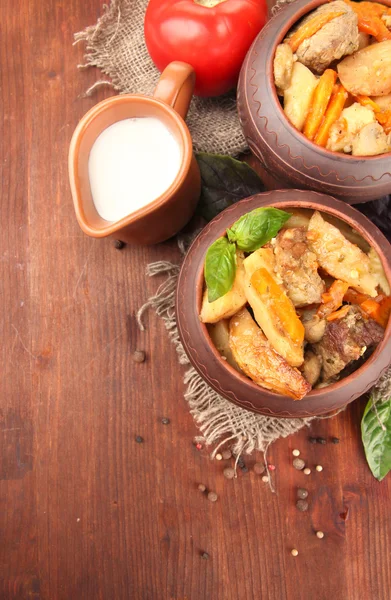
(209, 3)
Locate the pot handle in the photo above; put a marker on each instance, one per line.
(176, 86)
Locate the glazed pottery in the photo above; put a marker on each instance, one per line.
(166, 215)
(285, 152)
(214, 369)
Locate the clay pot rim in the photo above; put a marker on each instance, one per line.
(85, 123)
(299, 14)
(337, 209)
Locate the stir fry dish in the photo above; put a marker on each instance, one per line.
(333, 75)
(295, 300)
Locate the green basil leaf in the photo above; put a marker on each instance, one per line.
(256, 228)
(220, 268)
(224, 182)
(376, 437)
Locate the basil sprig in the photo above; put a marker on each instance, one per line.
(256, 228)
(376, 436)
(249, 233)
(220, 268)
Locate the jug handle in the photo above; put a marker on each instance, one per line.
(176, 86)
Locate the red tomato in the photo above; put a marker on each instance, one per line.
(211, 35)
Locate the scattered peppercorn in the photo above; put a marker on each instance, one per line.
(199, 446)
(139, 439)
(307, 471)
(319, 468)
(218, 457)
(241, 462)
(205, 555)
(320, 534)
(259, 468)
(119, 244)
(165, 421)
(312, 440)
(244, 469)
(302, 505)
(202, 487)
(139, 356)
(227, 454)
(296, 452)
(294, 552)
(265, 478)
(212, 496)
(302, 493)
(229, 473)
(321, 440)
(298, 463)
(335, 440)
(271, 467)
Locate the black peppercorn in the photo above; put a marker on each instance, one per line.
(298, 463)
(302, 493)
(204, 555)
(139, 356)
(119, 244)
(139, 439)
(312, 440)
(165, 421)
(335, 440)
(321, 440)
(302, 505)
(226, 454)
(229, 473)
(212, 496)
(259, 468)
(202, 488)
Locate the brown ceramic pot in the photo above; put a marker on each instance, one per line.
(207, 360)
(166, 215)
(285, 152)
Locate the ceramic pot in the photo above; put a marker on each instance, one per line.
(285, 152)
(214, 369)
(165, 216)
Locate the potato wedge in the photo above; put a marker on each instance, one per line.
(298, 96)
(339, 257)
(377, 271)
(260, 361)
(231, 302)
(273, 310)
(368, 71)
(219, 334)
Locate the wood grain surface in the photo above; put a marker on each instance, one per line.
(86, 513)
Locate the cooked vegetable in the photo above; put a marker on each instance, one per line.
(273, 310)
(298, 96)
(229, 303)
(256, 228)
(339, 257)
(368, 71)
(369, 19)
(379, 311)
(219, 333)
(333, 298)
(283, 66)
(354, 297)
(299, 218)
(338, 314)
(383, 102)
(312, 26)
(351, 121)
(311, 367)
(377, 271)
(371, 140)
(334, 40)
(260, 361)
(297, 267)
(319, 103)
(220, 268)
(333, 113)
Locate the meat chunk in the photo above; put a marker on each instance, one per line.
(311, 367)
(371, 140)
(346, 340)
(298, 267)
(337, 38)
(345, 129)
(283, 66)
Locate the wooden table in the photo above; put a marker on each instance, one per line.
(86, 512)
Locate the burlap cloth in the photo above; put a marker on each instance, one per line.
(116, 45)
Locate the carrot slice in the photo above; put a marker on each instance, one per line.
(385, 311)
(369, 19)
(378, 311)
(366, 101)
(354, 297)
(371, 308)
(319, 104)
(339, 314)
(311, 27)
(333, 298)
(333, 112)
(383, 116)
(280, 304)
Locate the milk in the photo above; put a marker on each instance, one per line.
(131, 163)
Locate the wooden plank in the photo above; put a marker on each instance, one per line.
(86, 512)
